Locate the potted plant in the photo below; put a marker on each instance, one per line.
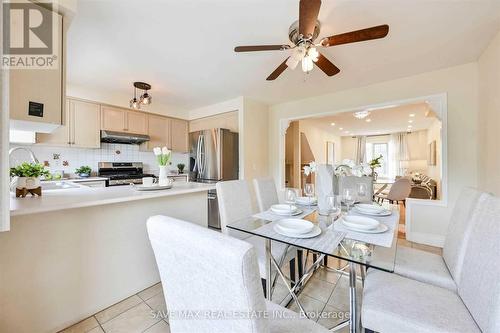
(83, 171)
(27, 175)
(375, 163)
(180, 167)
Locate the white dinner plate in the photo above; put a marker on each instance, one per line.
(305, 201)
(370, 207)
(360, 222)
(365, 212)
(380, 229)
(283, 208)
(294, 213)
(151, 188)
(295, 226)
(313, 233)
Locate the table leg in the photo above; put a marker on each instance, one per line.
(352, 299)
(269, 268)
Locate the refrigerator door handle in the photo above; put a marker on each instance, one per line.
(202, 154)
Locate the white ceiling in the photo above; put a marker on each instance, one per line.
(185, 48)
(382, 121)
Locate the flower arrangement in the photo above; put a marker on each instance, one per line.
(162, 155)
(311, 168)
(349, 168)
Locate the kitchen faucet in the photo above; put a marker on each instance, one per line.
(32, 155)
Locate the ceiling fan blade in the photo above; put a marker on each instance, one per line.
(356, 36)
(277, 72)
(326, 66)
(308, 15)
(254, 48)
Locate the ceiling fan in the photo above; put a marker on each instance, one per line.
(303, 33)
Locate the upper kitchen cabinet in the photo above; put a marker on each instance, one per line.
(158, 131)
(113, 119)
(137, 122)
(122, 120)
(36, 81)
(81, 126)
(179, 133)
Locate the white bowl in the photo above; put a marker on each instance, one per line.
(370, 208)
(295, 226)
(284, 209)
(360, 222)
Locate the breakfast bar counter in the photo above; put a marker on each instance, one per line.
(73, 252)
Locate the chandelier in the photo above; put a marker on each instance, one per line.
(144, 99)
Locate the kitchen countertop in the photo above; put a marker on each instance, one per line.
(54, 200)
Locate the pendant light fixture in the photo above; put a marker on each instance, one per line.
(144, 99)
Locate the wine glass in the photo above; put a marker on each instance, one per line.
(348, 197)
(362, 191)
(333, 206)
(290, 197)
(309, 191)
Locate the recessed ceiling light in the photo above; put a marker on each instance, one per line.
(409, 126)
(410, 121)
(341, 128)
(333, 124)
(412, 115)
(368, 120)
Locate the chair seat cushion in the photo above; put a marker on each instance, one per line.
(277, 249)
(392, 303)
(424, 267)
(282, 320)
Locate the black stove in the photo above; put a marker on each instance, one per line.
(122, 173)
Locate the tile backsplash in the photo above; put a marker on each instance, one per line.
(68, 159)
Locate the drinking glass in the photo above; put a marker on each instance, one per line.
(290, 197)
(362, 191)
(348, 197)
(309, 191)
(333, 206)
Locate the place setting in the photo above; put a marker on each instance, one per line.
(293, 207)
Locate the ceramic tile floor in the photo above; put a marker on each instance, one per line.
(326, 294)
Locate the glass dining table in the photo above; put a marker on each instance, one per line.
(359, 250)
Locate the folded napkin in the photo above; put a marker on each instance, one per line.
(268, 215)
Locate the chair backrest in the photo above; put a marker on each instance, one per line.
(234, 201)
(400, 190)
(352, 182)
(204, 270)
(459, 229)
(265, 190)
(479, 287)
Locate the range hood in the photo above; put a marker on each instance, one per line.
(120, 137)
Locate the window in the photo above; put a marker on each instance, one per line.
(375, 149)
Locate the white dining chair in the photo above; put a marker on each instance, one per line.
(211, 282)
(235, 204)
(443, 271)
(399, 191)
(266, 193)
(393, 303)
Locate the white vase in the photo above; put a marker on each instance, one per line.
(163, 172)
(26, 182)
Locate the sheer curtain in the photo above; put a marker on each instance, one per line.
(398, 151)
(360, 149)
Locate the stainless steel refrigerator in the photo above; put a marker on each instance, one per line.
(213, 157)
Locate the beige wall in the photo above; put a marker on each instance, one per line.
(317, 138)
(489, 118)
(460, 85)
(348, 148)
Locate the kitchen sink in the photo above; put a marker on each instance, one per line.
(57, 185)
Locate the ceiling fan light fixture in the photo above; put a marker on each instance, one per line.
(292, 62)
(307, 64)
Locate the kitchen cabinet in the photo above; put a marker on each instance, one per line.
(122, 120)
(36, 100)
(179, 134)
(81, 126)
(113, 119)
(158, 131)
(137, 122)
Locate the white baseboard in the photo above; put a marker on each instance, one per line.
(423, 238)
